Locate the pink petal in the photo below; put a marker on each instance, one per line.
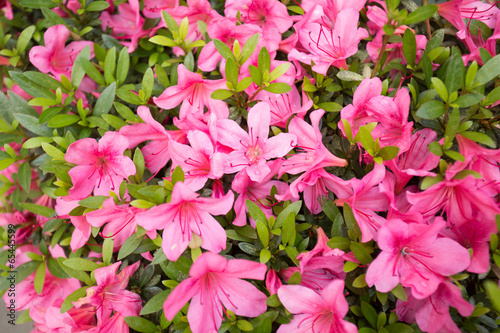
(82, 151)
(241, 297)
(300, 299)
(180, 296)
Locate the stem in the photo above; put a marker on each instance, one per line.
(427, 23)
(254, 94)
(380, 56)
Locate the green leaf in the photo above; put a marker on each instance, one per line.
(255, 74)
(452, 126)
(392, 4)
(493, 292)
(409, 47)
(265, 256)
(360, 281)
(221, 94)
(349, 76)
(31, 87)
(114, 121)
(388, 152)
(80, 264)
(107, 250)
(40, 278)
(455, 155)
(32, 125)
(38, 209)
(400, 293)
(244, 325)
(435, 148)
(256, 213)
(489, 71)
(77, 73)
(339, 243)
(24, 38)
(53, 151)
(92, 71)
(38, 4)
(97, 6)
(125, 111)
(455, 76)
(63, 120)
(350, 220)
(399, 328)
(248, 48)
(440, 88)
(278, 88)
(94, 201)
(122, 66)
(361, 253)
(55, 269)
(279, 71)
(492, 97)
(105, 101)
(480, 138)
(139, 163)
(25, 270)
(177, 175)
(431, 110)
(36, 142)
(293, 207)
(232, 72)
(52, 17)
(110, 66)
(468, 100)
(141, 324)
(163, 41)
(263, 232)
(330, 106)
(223, 49)
(24, 176)
(73, 297)
(148, 81)
(130, 245)
(155, 304)
(369, 313)
(128, 96)
(420, 14)
(264, 60)
(288, 232)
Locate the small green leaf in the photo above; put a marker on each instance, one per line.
(155, 304)
(409, 47)
(97, 6)
(24, 38)
(278, 88)
(139, 163)
(24, 176)
(361, 253)
(163, 41)
(388, 152)
(288, 231)
(40, 278)
(339, 243)
(77, 73)
(488, 71)
(63, 120)
(369, 313)
(248, 48)
(350, 220)
(125, 111)
(399, 328)
(420, 14)
(53, 151)
(232, 72)
(105, 101)
(256, 212)
(293, 207)
(177, 175)
(431, 110)
(243, 84)
(359, 282)
(110, 66)
(349, 76)
(38, 4)
(255, 74)
(38, 209)
(440, 88)
(265, 256)
(264, 60)
(122, 66)
(223, 49)
(94, 201)
(80, 264)
(147, 83)
(244, 325)
(130, 245)
(455, 155)
(480, 138)
(279, 71)
(221, 94)
(141, 324)
(400, 293)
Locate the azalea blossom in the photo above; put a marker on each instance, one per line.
(314, 312)
(414, 255)
(101, 167)
(253, 149)
(215, 282)
(187, 213)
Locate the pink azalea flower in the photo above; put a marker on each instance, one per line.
(194, 93)
(121, 221)
(54, 57)
(253, 149)
(416, 161)
(332, 8)
(156, 152)
(188, 213)
(312, 152)
(365, 198)
(81, 233)
(432, 314)
(101, 167)
(153, 8)
(414, 255)
(328, 47)
(199, 161)
(48, 318)
(271, 15)
(314, 312)
(127, 24)
(215, 282)
(258, 192)
(110, 294)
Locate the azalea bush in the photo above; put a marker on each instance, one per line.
(250, 165)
